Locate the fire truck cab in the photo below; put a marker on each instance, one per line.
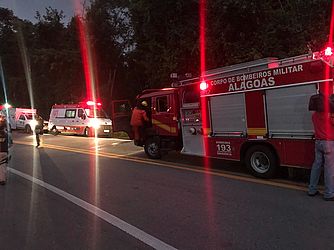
(256, 112)
(162, 132)
(85, 118)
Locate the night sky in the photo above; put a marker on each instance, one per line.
(26, 9)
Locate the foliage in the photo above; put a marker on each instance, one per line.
(110, 37)
(166, 36)
(136, 44)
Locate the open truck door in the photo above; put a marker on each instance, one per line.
(121, 116)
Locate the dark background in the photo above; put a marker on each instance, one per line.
(137, 44)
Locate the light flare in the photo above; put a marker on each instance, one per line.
(328, 51)
(6, 105)
(26, 65)
(328, 86)
(205, 123)
(95, 123)
(91, 94)
(203, 86)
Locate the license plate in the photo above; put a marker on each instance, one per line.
(106, 131)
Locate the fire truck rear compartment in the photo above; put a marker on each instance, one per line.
(287, 131)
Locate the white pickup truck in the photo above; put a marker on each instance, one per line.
(20, 118)
(26, 122)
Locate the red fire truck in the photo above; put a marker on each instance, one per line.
(256, 112)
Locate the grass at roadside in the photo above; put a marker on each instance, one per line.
(120, 135)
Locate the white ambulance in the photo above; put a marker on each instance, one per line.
(85, 118)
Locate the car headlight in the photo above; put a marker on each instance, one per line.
(94, 124)
(33, 124)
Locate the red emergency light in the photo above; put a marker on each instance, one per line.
(328, 51)
(91, 103)
(203, 85)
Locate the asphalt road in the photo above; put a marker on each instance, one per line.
(81, 193)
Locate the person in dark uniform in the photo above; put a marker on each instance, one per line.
(38, 129)
(4, 146)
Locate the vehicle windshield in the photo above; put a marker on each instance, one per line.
(98, 112)
(29, 116)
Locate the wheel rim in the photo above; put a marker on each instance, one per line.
(260, 162)
(153, 148)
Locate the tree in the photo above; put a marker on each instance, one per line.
(56, 62)
(110, 38)
(13, 70)
(136, 44)
(166, 38)
(247, 30)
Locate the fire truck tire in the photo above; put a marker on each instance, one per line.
(27, 129)
(261, 161)
(152, 148)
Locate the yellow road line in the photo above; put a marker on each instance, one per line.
(186, 167)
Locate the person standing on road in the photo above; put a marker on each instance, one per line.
(138, 119)
(4, 146)
(323, 123)
(38, 129)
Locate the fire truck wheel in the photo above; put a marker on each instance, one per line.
(261, 161)
(27, 129)
(152, 148)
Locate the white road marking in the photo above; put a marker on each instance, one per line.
(111, 219)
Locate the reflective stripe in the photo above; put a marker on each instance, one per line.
(256, 131)
(163, 126)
